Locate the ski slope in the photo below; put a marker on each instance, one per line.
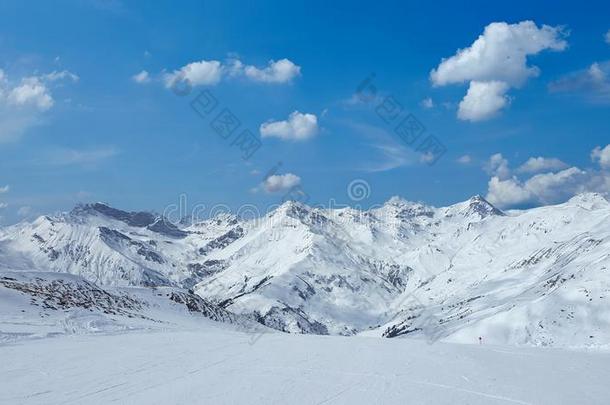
(211, 365)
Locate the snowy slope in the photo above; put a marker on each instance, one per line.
(535, 277)
(215, 366)
(36, 305)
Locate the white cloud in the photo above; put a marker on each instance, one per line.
(282, 71)
(545, 188)
(602, 156)
(541, 164)
(557, 187)
(141, 78)
(63, 75)
(483, 101)
(208, 73)
(593, 82)
(280, 182)
(464, 160)
(390, 153)
(32, 91)
(551, 187)
(393, 156)
(507, 193)
(199, 73)
(427, 102)
(297, 127)
(84, 157)
(495, 62)
(607, 37)
(500, 54)
(498, 166)
(5, 189)
(23, 102)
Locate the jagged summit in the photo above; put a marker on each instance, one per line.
(479, 205)
(139, 219)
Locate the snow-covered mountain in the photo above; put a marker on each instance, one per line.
(537, 276)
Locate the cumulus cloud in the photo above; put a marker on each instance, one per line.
(199, 73)
(281, 182)
(483, 100)
(507, 193)
(494, 63)
(32, 91)
(23, 101)
(593, 82)
(297, 127)
(541, 164)
(601, 156)
(211, 72)
(500, 54)
(607, 37)
(282, 71)
(550, 187)
(141, 78)
(497, 166)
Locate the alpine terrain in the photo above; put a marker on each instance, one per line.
(533, 277)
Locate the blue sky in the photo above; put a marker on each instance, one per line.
(76, 125)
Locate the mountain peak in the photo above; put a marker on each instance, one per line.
(589, 201)
(398, 207)
(476, 206)
(479, 205)
(301, 212)
(138, 219)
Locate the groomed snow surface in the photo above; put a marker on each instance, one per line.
(213, 365)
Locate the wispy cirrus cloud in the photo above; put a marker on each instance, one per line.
(592, 83)
(78, 157)
(385, 152)
(390, 156)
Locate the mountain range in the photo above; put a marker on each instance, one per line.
(459, 273)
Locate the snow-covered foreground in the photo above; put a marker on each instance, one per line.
(212, 365)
